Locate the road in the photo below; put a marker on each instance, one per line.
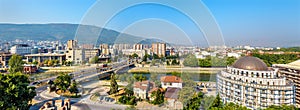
(82, 74)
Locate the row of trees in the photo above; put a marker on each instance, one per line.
(209, 61)
(270, 59)
(51, 62)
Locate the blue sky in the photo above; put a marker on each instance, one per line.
(242, 22)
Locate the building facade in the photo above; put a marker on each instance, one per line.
(292, 72)
(143, 89)
(249, 82)
(72, 44)
(159, 49)
(20, 49)
(171, 81)
(76, 56)
(4, 58)
(45, 56)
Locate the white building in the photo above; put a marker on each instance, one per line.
(171, 81)
(77, 56)
(20, 49)
(236, 55)
(249, 82)
(144, 89)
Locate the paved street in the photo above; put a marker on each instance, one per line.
(80, 103)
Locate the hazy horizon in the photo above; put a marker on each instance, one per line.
(268, 23)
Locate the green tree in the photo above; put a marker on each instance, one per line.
(146, 56)
(50, 63)
(63, 82)
(35, 63)
(155, 56)
(191, 61)
(14, 87)
(113, 84)
(73, 88)
(15, 64)
(158, 96)
(217, 102)
(94, 60)
(230, 60)
(195, 102)
(134, 55)
(56, 62)
(140, 77)
(282, 107)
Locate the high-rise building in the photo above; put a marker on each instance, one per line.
(72, 44)
(292, 72)
(249, 82)
(138, 46)
(159, 49)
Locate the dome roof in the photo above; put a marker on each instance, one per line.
(250, 63)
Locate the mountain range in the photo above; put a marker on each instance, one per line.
(64, 32)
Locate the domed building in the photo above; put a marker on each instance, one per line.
(249, 82)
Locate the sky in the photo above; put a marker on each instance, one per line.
(242, 22)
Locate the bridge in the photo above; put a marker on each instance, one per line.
(103, 72)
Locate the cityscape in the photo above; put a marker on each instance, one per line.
(129, 63)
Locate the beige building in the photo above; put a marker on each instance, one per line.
(77, 56)
(45, 56)
(90, 53)
(138, 47)
(72, 44)
(159, 49)
(292, 72)
(4, 58)
(249, 82)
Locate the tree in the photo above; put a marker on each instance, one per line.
(73, 88)
(50, 63)
(56, 62)
(195, 102)
(146, 56)
(217, 102)
(140, 77)
(14, 87)
(94, 60)
(282, 107)
(113, 84)
(158, 96)
(63, 82)
(128, 92)
(134, 55)
(35, 63)
(155, 56)
(191, 61)
(15, 64)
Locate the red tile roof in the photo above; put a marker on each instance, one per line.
(144, 85)
(171, 79)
